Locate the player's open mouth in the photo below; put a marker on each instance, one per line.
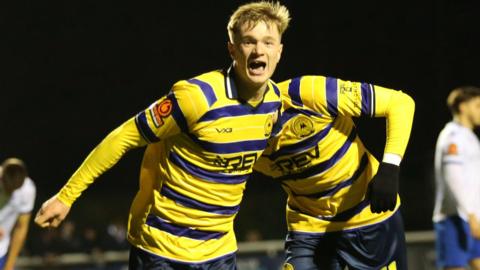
(256, 67)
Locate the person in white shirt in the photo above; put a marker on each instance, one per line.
(17, 197)
(457, 176)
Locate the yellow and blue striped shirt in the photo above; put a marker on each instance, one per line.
(207, 141)
(318, 157)
(213, 141)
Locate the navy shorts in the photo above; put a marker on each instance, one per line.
(455, 246)
(143, 260)
(3, 260)
(378, 246)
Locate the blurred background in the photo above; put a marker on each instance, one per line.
(74, 70)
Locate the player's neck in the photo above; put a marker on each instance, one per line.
(251, 93)
(463, 121)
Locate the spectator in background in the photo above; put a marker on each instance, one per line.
(115, 237)
(68, 240)
(90, 242)
(17, 197)
(457, 170)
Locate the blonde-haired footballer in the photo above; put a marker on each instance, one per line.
(210, 131)
(342, 207)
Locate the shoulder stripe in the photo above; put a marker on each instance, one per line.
(206, 89)
(373, 99)
(332, 96)
(204, 174)
(322, 166)
(239, 110)
(142, 126)
(191, 203)
(367, 99)
(178, 114)
(301, 145)
(294, 91)
(229, 148)
(178, 230)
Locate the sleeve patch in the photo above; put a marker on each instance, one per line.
(452, 149)
(161, 110)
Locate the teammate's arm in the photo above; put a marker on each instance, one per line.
(19, 234)
(334, 97)
(398, 108)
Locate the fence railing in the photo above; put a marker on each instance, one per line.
(262, 255)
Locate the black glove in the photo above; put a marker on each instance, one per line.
(383, 189)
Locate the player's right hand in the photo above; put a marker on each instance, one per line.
(52, 213)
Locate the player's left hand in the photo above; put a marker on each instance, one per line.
(383, 188)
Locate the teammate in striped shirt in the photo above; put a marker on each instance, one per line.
(210, 131)
(342, 207)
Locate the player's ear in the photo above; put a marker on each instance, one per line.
(279, 53)
(231, 50)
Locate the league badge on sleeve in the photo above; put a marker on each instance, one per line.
(161, 110)
(452, 149)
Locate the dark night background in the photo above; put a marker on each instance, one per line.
(74, 70)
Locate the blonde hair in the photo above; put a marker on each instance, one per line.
(255, 12)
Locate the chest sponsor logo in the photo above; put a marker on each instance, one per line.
(236, 163)
(296, 162)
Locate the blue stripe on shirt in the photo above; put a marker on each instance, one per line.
(366, 99)
(302, 145)
(349, 213)
(322, 166)
(204, 174)
(343, 184)
(191, 203)
(294, 91)
(332, 96)
(144, 128)
(182, 231)
(178, 114)
(206, 89)
(239, 110)
(229, 148)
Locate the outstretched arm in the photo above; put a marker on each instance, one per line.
(102, 158)
(166, 117)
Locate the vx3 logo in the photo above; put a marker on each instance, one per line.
(224, 130)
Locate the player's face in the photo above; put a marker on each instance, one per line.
(473, 110)
(256, 52)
